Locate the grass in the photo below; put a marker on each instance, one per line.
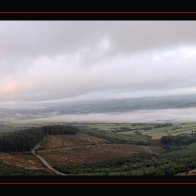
(10, 170)
(94, 153)
(116, 137)
(168, 163)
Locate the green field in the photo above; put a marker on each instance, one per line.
(139, 131)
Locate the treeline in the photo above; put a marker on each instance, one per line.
(178, 140)
(160, 125)
(25, 140)
(21, 140)
(59, 130)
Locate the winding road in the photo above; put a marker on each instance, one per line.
(45, 162)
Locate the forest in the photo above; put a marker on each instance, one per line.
(25, 140)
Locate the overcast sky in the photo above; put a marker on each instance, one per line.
(46, 60)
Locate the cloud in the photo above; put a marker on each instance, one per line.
(41, 60)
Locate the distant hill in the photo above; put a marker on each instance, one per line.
(125, 105)
(102, 106)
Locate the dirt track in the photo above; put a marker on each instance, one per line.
(45, 162)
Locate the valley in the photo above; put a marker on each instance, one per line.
(102, 149)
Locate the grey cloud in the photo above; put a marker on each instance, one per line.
(53, 37)
(42, 60)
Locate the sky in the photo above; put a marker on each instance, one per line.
(73, 60)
